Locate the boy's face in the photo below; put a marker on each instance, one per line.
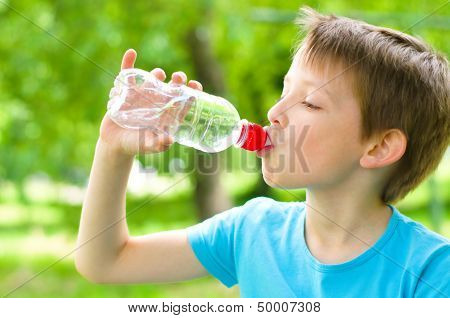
(315, 129)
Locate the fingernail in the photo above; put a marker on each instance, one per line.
(181, 75)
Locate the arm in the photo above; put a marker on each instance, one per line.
(105, 251)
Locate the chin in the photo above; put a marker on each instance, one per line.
(278, 180)
(270, 182)
(283, 179)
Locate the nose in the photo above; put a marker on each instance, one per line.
(277, 115)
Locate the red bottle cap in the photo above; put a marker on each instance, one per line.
(253, 137)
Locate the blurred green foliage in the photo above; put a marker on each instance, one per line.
(58, 60)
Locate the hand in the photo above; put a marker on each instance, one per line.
(130, 141)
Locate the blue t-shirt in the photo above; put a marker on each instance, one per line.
(261, 247)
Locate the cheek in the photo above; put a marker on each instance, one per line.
(331, 144)
(320, 149)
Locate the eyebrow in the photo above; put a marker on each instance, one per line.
(320, 88)
(314, 84)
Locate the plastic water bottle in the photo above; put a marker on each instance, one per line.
(193, 118)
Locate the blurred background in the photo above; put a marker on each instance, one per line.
(58, 60)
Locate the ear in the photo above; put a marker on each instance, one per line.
(384, 150)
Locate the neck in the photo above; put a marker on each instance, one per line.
(335, 217)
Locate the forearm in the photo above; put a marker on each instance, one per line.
(103, 229)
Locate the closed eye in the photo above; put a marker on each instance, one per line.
(309, 105)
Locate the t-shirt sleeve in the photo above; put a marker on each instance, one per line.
(435, 279)
(214, 242)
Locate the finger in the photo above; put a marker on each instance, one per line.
(166, 140)
(185, 109)
(158, 73)
(147, 140)
(128, 59)
(148, 88)
(195, 85)
(174, 116)
(179, 78)
(155, 142)
(167, 122)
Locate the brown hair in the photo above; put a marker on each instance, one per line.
(400, 82)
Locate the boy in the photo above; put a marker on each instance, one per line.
(369, 107)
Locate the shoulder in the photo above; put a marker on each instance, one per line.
(255, 213)
(261, 202)
(434, 279)
(419, 235)
(428, 257)
(261, 210)
(268, 206)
